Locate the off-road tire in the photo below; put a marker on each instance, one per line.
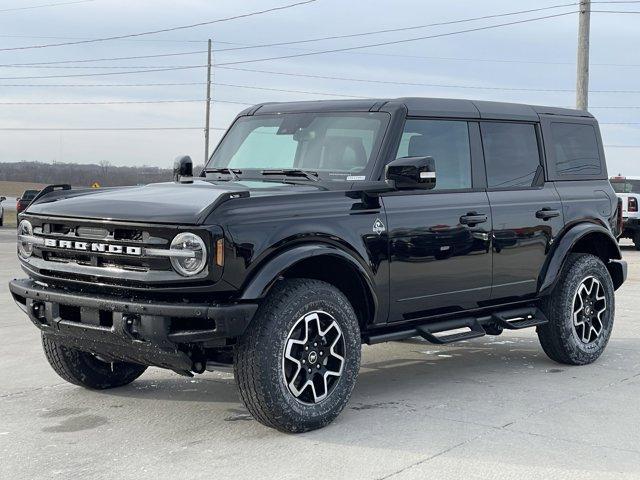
(258, 360)
(85, 370)
(559, 338)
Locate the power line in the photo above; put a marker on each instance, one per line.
(70, 85)
(97, 129)
(138, 57)
(396, 42)
(102, 67)
(104, 74)
(162, 30)
(393, 82)
(395, 55)
(45, 5)
(126, 102)
(221, 84)
(400, 29)
(291, 74)
(352, 35)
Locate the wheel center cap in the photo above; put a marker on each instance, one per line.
(313, 357)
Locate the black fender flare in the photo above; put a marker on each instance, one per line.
(260, 283)
(565, 244)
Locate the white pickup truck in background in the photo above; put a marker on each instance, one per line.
(628, 189)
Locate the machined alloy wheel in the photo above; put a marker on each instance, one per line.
(313, 357)
(297, 363)
(589, 304)
(581, 311)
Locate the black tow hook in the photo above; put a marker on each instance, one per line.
(131, 325)
(39, 312)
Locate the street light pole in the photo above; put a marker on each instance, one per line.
(208, 107)
(582, 80)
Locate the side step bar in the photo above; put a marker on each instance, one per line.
(519, 318)
(494, 324)
(475, 330)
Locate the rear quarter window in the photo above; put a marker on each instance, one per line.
(576, 151)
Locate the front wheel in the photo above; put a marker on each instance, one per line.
(580, 310)
(297, 363)
(85, 369)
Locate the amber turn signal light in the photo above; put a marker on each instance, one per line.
(220, 252)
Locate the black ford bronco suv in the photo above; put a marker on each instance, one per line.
(318, 226)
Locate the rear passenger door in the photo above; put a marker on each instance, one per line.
(526, 210)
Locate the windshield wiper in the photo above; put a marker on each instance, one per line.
(292, 172)
(229, 171)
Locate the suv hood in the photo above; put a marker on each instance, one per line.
(175, 203)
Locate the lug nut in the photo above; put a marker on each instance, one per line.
(309, 370)
(315, 344)
(306, 348)
(304, 361)
(318, 366)
(321, 353)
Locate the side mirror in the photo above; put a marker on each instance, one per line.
(183, 169)
(412, 173)
(2, 199)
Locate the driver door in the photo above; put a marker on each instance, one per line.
(440, 239)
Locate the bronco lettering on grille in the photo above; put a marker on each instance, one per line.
(92, 247)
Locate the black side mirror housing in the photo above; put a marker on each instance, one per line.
(410, 173)
(2, 199)
(183, 169)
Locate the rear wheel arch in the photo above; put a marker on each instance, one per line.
(319, 262)
(582, 238)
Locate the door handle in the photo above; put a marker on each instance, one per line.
(473, 218)
(547, 213)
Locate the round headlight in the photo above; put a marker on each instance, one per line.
(25, 249)
(193, 254)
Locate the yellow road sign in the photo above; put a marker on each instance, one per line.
(95, 185)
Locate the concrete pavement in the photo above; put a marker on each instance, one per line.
(490, 408)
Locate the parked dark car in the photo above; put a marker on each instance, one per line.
(318, 226)
(27, 197)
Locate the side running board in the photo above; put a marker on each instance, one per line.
(442, 332)
(519, 318)
(475, 330)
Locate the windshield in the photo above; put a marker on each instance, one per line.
(339, 146)
(625, 185)
(29, 194)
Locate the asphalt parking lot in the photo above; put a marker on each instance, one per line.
(490, 408)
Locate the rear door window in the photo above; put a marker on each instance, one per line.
(576, 150)
(511, 153)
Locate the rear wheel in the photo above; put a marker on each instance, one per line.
(580, 310)
(86, 370)
(297, 363)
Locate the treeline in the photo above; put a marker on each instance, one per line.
(104, 173)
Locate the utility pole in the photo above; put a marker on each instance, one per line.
(208, 107)
(582, 80)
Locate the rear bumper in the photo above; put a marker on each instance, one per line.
(147, 332)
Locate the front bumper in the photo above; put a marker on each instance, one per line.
(146, 332)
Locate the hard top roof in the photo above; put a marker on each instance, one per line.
(419, 106)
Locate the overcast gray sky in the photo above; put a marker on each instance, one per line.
(538, 55)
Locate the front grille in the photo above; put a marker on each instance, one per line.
(113, 253)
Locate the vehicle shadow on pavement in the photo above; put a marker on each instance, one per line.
(415, 367)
